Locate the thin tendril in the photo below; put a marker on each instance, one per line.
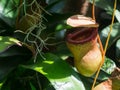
(100, 43)
(106, 45)
(36, 23)
(31, 3)
(98, 37)
(93, 10)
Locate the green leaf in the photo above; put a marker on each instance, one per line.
(20, 35)
(106, 5)
(5, 42)
(1, 84)
(51, 4)
(12, 57)
(117, 14)
(108, 66)
(62, 26)
(32, 86)
(60, 74)
(5, 27)
(9, 8)
(12, 53)
(115, 34)
(118, 49)
(56, 17)
(55, 5)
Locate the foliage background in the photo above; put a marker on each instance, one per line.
(42, 61)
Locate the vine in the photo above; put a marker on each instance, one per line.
(106, 45)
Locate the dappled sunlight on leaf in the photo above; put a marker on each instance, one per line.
(60, 74)
(40, 69)
(11, 55)
(5, 42)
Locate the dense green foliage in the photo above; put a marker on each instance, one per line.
(37, 59)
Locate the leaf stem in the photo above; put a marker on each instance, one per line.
(106, 45)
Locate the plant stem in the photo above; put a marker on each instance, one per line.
(100, 43)
(93, 10)
(106, 45)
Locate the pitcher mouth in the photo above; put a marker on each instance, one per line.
(82, 36)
